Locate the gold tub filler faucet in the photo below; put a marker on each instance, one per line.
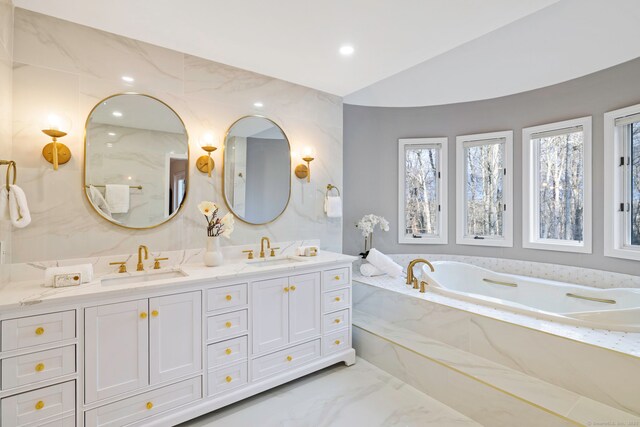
(411, 280)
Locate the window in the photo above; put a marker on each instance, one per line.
(557, 186)
(422, 189)
(483, 188)
(622, 183)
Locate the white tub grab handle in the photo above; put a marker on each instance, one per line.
(497, 282)
(606, 301)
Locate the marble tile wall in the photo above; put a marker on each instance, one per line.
(6, 71)
(68, 68)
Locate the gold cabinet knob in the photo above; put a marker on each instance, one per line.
(227, 324)
(337, 342)
(39, 330)
(155, 313)
(39, 405)
(143, 315)
(289, 358)
(337, 321)
(40, 367)
(336, 277)
(228, 297)
(228, 379)
(337, 299)
(293, 288)
(228, 351)
(149, 405)
(286, 289)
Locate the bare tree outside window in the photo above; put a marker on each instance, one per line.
(421, 191)
(484, 189)
(561, 186)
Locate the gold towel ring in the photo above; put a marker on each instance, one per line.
(331, 187)
(10, 165)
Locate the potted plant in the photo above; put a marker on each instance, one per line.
(216, 227)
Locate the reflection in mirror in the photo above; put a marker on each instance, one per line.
(136, 160)
(257, 170)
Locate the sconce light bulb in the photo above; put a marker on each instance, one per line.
(208, 141)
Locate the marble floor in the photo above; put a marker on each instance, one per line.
(360, 395)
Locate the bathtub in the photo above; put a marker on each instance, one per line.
(613, 309)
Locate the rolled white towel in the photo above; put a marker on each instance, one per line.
(384, 263)
(18, 208)
(84, 270)
(369, 270)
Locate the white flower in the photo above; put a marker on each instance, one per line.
(384, 224)
(207, 208)
(227, 222)
(368, 223)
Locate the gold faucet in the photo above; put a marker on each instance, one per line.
(262, 245)
(411, 280)
(146, 256)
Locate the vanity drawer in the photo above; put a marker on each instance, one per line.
(226, 352)
(35, 330)
(337, 278)
(34, 367)
(284, 360)
(45, 406)
(145, 405)
(334, 321)
(227, 325)
(227, 378)
(227, 297)
(336, 341)
(336, 300)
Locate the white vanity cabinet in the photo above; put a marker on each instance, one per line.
(285, 310)
(132, 344)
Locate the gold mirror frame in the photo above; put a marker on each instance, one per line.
(224, 193)
(84, 169)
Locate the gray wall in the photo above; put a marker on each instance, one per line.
(371, 158)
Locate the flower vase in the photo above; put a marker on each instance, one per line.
(213, 256)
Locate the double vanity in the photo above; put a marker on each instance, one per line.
(160, 347)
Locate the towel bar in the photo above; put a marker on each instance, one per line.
(331, 187)
(138, 187)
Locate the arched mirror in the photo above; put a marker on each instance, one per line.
(256, 170)
(136, 161)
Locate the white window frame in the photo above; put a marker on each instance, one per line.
(507, 239)
(530, 211)
(614, 227)
(442, 237)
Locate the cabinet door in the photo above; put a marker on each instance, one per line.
(304, 307)
(269, 302)
(175, 336)
(116, 349)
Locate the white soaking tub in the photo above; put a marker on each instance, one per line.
(613, 309)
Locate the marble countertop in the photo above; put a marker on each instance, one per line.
(15, 295)
(623, 342)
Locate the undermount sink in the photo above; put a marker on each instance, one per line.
(267, 262)
(140, 277)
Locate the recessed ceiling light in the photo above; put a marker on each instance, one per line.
(129, 178)
(112, 134)
(117, 114)
(128, 79)
(346, 50)
(258, 104)
(109, 145)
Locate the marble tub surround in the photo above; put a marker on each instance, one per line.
(68, 68)
(592, 363)
(361, 395)
(562, 273)
(488, 392)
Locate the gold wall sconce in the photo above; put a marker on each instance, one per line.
(303, 171)
(55, 152)
(205, 164)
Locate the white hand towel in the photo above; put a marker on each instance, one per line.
(384, 263)
(333, 206)
(369, 270)
(84, 270)
(117, 197)
(98, 201)
(18, 209)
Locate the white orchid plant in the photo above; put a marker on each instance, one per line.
(367, 225)
(216, 226)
